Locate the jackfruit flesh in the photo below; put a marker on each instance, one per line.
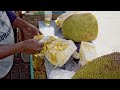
(104, 67)
(38, 37)
(87, 52)
(35, 56)
(76, 55)
(37, 61)
(39, 67)
(80, 27)
(58, 51)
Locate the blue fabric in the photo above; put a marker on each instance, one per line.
(11, 15)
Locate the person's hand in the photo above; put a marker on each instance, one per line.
(32, 46)
(30, 31)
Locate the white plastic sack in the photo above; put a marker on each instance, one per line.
(61, 74)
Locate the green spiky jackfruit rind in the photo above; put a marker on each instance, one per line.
(104, 67)
(80, 27)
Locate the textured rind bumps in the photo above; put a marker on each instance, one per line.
(80, 27)
(104, 67)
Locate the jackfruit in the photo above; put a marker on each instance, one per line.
(80, 27)
(35, 56)
(59, 21)
(37, 61)
(87, 52)
(76, 55)
(104, 67)
(58, 51)
(38, 37)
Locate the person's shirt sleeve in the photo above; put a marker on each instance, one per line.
(11, 15)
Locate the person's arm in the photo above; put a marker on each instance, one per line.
(25, 26)
(28, 29)
(20, 23)
(11, 15)
(30, 46)
(6, 50)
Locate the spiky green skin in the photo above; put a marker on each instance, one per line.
(105, 67)
(80, 27)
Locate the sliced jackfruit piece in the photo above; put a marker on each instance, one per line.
(87, 52)
(38, 37)
(76, 55)
(104, 67)
(58, 51)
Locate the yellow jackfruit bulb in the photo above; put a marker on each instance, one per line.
(58, 51)
(38, 37)
(57, 22)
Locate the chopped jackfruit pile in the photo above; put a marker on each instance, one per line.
(38, 63)
(39, 67)
(104, 67)
(58, 51)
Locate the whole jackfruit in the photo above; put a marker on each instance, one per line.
(104, 67)
(80, 27)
